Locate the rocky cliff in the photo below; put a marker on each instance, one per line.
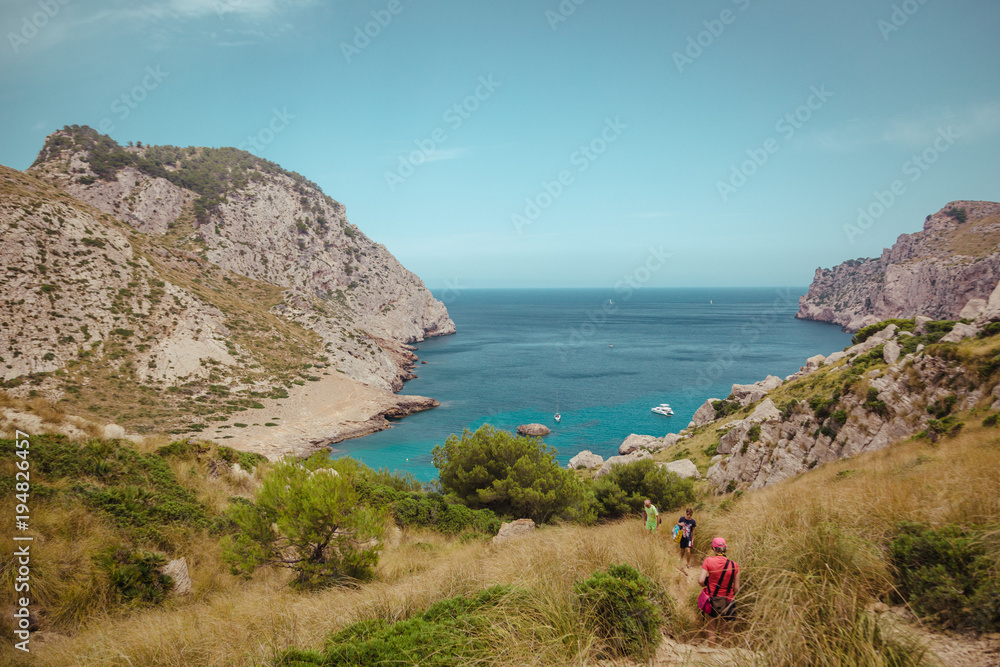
(955, 259)
(902, 381)
(201, 280)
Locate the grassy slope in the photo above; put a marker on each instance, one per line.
(813, 551)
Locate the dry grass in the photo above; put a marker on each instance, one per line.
(249, 623)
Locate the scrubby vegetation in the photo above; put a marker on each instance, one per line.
(622, 491)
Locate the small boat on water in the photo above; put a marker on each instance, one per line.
(663, 409)
(558, 417)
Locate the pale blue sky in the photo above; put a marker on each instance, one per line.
(886, 80)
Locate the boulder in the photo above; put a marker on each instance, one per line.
(113, 432)
(635, 442)
(887, 333)
(890, 353)
(745, 394)
(770, 383)
(958, 332)
(991, 311)
(733, 436)
(671, 439)
(683, 468)
(513, 530)
(178, 571)
(812, 363)
(834, 358)
(920, 322)
(704, 414)
(637, 455)
(764, 412)
(586, 459)
(533, 429)
(973, 309)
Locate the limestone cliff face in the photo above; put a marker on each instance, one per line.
(934, 272)
(869, 411)
(135, 298)
(274, 227)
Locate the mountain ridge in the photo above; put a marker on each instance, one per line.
(239, 288)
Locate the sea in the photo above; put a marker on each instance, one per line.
(601, 358)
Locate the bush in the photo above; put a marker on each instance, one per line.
(992, 420)
(622, 491)
(946, 426)
(753, 434)
(725, 408)
(620, 606)
(308, 521)
(943, 407)
(960, 215)
(135, 576)
(947, 574)
(873, 404)
(456, 631)
(512, 475)
(867, 332)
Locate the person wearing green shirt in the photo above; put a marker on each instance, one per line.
(652, 516)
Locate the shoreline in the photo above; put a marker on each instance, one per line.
(313, 417)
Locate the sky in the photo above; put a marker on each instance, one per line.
(550, 143)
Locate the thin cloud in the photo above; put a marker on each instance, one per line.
(909, 130)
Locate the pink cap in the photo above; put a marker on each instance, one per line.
(718, 543)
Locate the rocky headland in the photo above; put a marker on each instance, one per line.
(946, 271)
(180, 289)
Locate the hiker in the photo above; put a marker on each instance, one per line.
(686, 524)
(652, 516)
(721, 580)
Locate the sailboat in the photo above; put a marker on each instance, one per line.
(557, 416)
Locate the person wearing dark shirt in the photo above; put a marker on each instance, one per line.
(687, 525)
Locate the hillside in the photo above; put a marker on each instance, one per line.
(166, 288)
(820, 554)
(935, 272)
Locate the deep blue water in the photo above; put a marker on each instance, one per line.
(603, 358)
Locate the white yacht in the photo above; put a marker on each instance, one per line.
(663, 409)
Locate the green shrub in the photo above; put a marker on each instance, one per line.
(135, 576)
(867, 332)
(309, 521)
(823, 406)
(946, 426)
(622, 491)
(788, 409)
(960, 215)
(725, 408)
(991, 329)
(512, 475)
(948, 574)
(753, 434)
(943, 407)
(620, 605)
(452, 632)
(873, 404)
(992, 419)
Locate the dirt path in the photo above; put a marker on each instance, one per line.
(314, 415)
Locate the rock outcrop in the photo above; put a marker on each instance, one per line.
(869, 412)
(177, 570)
(637, 455)
(683, 468)
(586, 459)
(949, 267)
(536, 430)
(636, 442)
(513, 530)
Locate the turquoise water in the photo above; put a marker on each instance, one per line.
(604, 358)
